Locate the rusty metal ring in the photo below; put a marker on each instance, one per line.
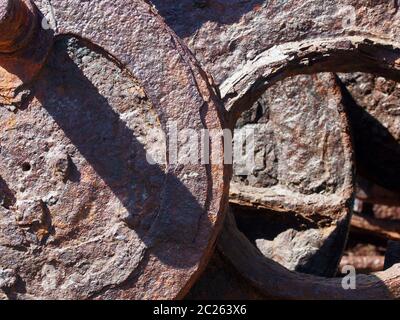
(352, 50)
(236, 33)
(277, 282)
(337, 54)
(237, 41)
(257, 43)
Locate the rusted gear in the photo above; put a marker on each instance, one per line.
(84, 214)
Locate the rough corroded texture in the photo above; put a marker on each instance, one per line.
(364, 264)
(24, 46)
(69, 169)
(365, 254)
(303, 152)
(304, 165)
(249, 56)
(83, 214)
(283, 284)
(295, 250)
(302, 140)
(256, 43)
(375, 120)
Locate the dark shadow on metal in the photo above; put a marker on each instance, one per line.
(377, 151)
(185, 17)
(273, 280)
(118, 158)
(267, 224)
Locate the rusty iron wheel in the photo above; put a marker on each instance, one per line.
(82, 209)
(254, 45)
(352, 50)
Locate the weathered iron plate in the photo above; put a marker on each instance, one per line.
(85, 215)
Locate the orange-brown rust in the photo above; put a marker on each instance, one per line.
(24, 46)
(17, 22)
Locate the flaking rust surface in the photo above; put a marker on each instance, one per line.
(81, 196)
(256, 43)
(84, 215)
(301, 134)
(311, 178)
(237, 31)
(304, 168)
(375, 119)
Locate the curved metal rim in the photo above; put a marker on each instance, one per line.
(339, 54)
(371, 54)
(179, 90)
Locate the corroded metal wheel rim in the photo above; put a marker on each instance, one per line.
(337, 54)
(338, 50)
(180, 240)
(277, 282)
(257, 43)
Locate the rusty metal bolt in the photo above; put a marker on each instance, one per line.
(17, 25)
(24, 46)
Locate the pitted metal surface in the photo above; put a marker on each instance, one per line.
(166, 221)
(248, 46)
(303, 152)
(84, 215)
(303, 174)
(82, 199)
(257, 43)
(302, 137)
